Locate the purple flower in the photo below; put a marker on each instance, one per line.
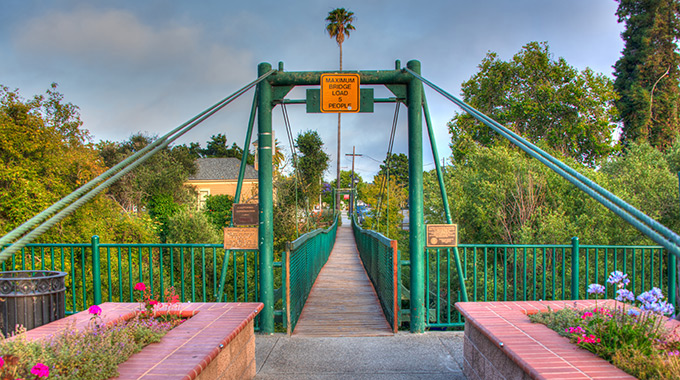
(94, 310)
(623, 295)
(619, 279)
(633, 312)
(662, 307)
(595, 289)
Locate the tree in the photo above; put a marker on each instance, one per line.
(44, 156)
(545, 100)
(311, 164)
(385, 216)
(647, 74)
(339, 24)
(398, 165)
(217, 148)
(162, 174)
(501, 195)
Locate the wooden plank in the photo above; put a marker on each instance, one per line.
(342, 301)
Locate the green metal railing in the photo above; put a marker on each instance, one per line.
(497, 272)
(302, 262)
(380, 256)
(108, 272)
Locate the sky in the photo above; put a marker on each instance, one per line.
(148, 66)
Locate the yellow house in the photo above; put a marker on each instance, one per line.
(218, 176)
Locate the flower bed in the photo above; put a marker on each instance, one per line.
(500, 340)
(217, 342)
(633, 335)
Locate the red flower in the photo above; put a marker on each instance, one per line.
(40, 370)
(140, 286)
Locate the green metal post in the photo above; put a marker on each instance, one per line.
(265, 195)
(574, 268)
(415, 190)
(96, 275)
(445, 198)
(672, 271)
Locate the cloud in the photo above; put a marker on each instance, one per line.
(117, 40)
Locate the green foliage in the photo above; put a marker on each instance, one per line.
(161, 208)
(44, 156)
(398, 165)
(647, 74)
(339, 24)
(162, 174)
(189, 225)
(542, 99)
(387, 202)
(500, 195)
(217, 148)
(311, 164)
(218, 209)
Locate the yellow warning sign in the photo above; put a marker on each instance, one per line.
(339, 93)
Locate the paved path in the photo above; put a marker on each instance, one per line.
(342, 302)
(432, 356)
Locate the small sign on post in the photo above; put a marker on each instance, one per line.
(442, 235)
(246, 214)
(340, 93)
(240, 238)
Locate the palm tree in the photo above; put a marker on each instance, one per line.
(339, 23)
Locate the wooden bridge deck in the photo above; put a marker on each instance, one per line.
(342, 301)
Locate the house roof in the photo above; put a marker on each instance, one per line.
(221, 169)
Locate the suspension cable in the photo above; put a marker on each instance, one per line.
(385, 179)
(293, 151)
(122, 168)
(653, 229)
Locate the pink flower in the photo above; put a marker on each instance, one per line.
(153, 302)
(140, 286)
(586, 315)
(2, 362)
(40, 370)
(95, 310)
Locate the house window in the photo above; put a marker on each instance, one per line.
(202, 195)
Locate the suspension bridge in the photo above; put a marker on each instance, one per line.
(364, 276)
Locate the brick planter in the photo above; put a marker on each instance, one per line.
(218, 342)
(501, 343)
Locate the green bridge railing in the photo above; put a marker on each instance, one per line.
(380, 257)
(108, 272)
(302, 262)
(499, 272)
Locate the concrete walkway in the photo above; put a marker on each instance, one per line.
(432, 356)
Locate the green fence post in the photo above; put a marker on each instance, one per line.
(574, 268)
(96, 275)
(265, 195)
(672, 271)
(415, 192)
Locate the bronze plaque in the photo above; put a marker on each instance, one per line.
(240, 238)
(246, 214)
(442, 235)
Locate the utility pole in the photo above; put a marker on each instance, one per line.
(351, 199)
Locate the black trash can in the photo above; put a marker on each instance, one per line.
(31, 298)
